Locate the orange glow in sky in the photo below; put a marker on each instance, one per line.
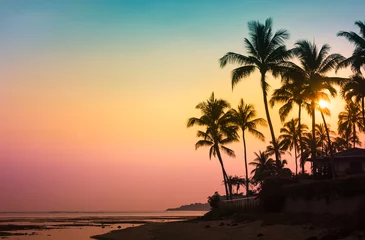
(94, 96)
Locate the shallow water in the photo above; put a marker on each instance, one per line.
(61, 225)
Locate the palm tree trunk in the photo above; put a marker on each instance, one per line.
(363, 110)
(330, 147)
(354, 135)
(245, 156)
(296, 158)
(263, 86)
(313, 131)
(300, 138)
(225, 176)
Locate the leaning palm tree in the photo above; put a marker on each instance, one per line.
(266, 52)
(349, 120)
(314, 65)
(245, 118)
(218, 130)
(355, 89)
(357, 59)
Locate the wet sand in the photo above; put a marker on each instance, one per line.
(215, 230)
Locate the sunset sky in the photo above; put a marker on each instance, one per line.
(95, 95)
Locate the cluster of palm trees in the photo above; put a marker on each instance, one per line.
(304, 82)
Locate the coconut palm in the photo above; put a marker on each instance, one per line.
(290, 139)
(270, 151)
(218, 130)
(281, 170)
(340, 144)
(349, 120)
(314, 65)
(357, 59)
(266, 51)
(245, 118)
(355, 89)
(291, 92)
(264, 166)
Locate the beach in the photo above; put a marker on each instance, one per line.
(79, 225)
(218, 230)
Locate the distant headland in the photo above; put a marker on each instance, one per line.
(192, 207)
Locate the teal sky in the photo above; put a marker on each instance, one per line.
(95, 95)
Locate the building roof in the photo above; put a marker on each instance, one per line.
(353, 153)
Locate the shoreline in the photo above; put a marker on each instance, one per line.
(216, 230)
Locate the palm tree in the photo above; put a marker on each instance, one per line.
(357, 59)
(281, 170)
(355, 89)
(314, 65)
(321, 137)
(264, 166)
(291, 92)
(218, 130)
(349, 119)
(266, 52)
(270, 151)
(290, 137)
(340, 144)
(237, 182)
(323, 111)
(245, 118)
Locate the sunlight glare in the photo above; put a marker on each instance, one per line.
(323, 104)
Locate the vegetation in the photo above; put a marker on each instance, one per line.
(218, 130)
(191, 207)
(245, 118)
(266, 53)
(306, 81)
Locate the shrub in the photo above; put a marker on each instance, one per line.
(214, 200)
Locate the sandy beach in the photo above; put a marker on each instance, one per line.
(216, 230)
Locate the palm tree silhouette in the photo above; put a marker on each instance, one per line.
(355, 89)
(218, 130)
(266, 52)
(290, 137)
(245, 118)
(314, 65)
(349, 119)
(264, 166)
(357, 59)
(292, 92)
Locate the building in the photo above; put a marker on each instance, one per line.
(351, 161)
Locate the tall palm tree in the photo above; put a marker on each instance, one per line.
(323, 110)
(314, 65)
(291, 92)
(321, 137)
(264, 166)
(266, 52)
(357, 59)
(290, 138)
(349, 119)
(218, 130)
(245, 118)
(355, 89)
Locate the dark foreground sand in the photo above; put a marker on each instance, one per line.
(199, 230)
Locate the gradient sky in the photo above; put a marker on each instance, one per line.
(95, 95)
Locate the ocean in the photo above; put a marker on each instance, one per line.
(79, 225)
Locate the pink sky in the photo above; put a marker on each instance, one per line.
(94, 98)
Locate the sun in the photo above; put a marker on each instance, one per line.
(323, 103)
